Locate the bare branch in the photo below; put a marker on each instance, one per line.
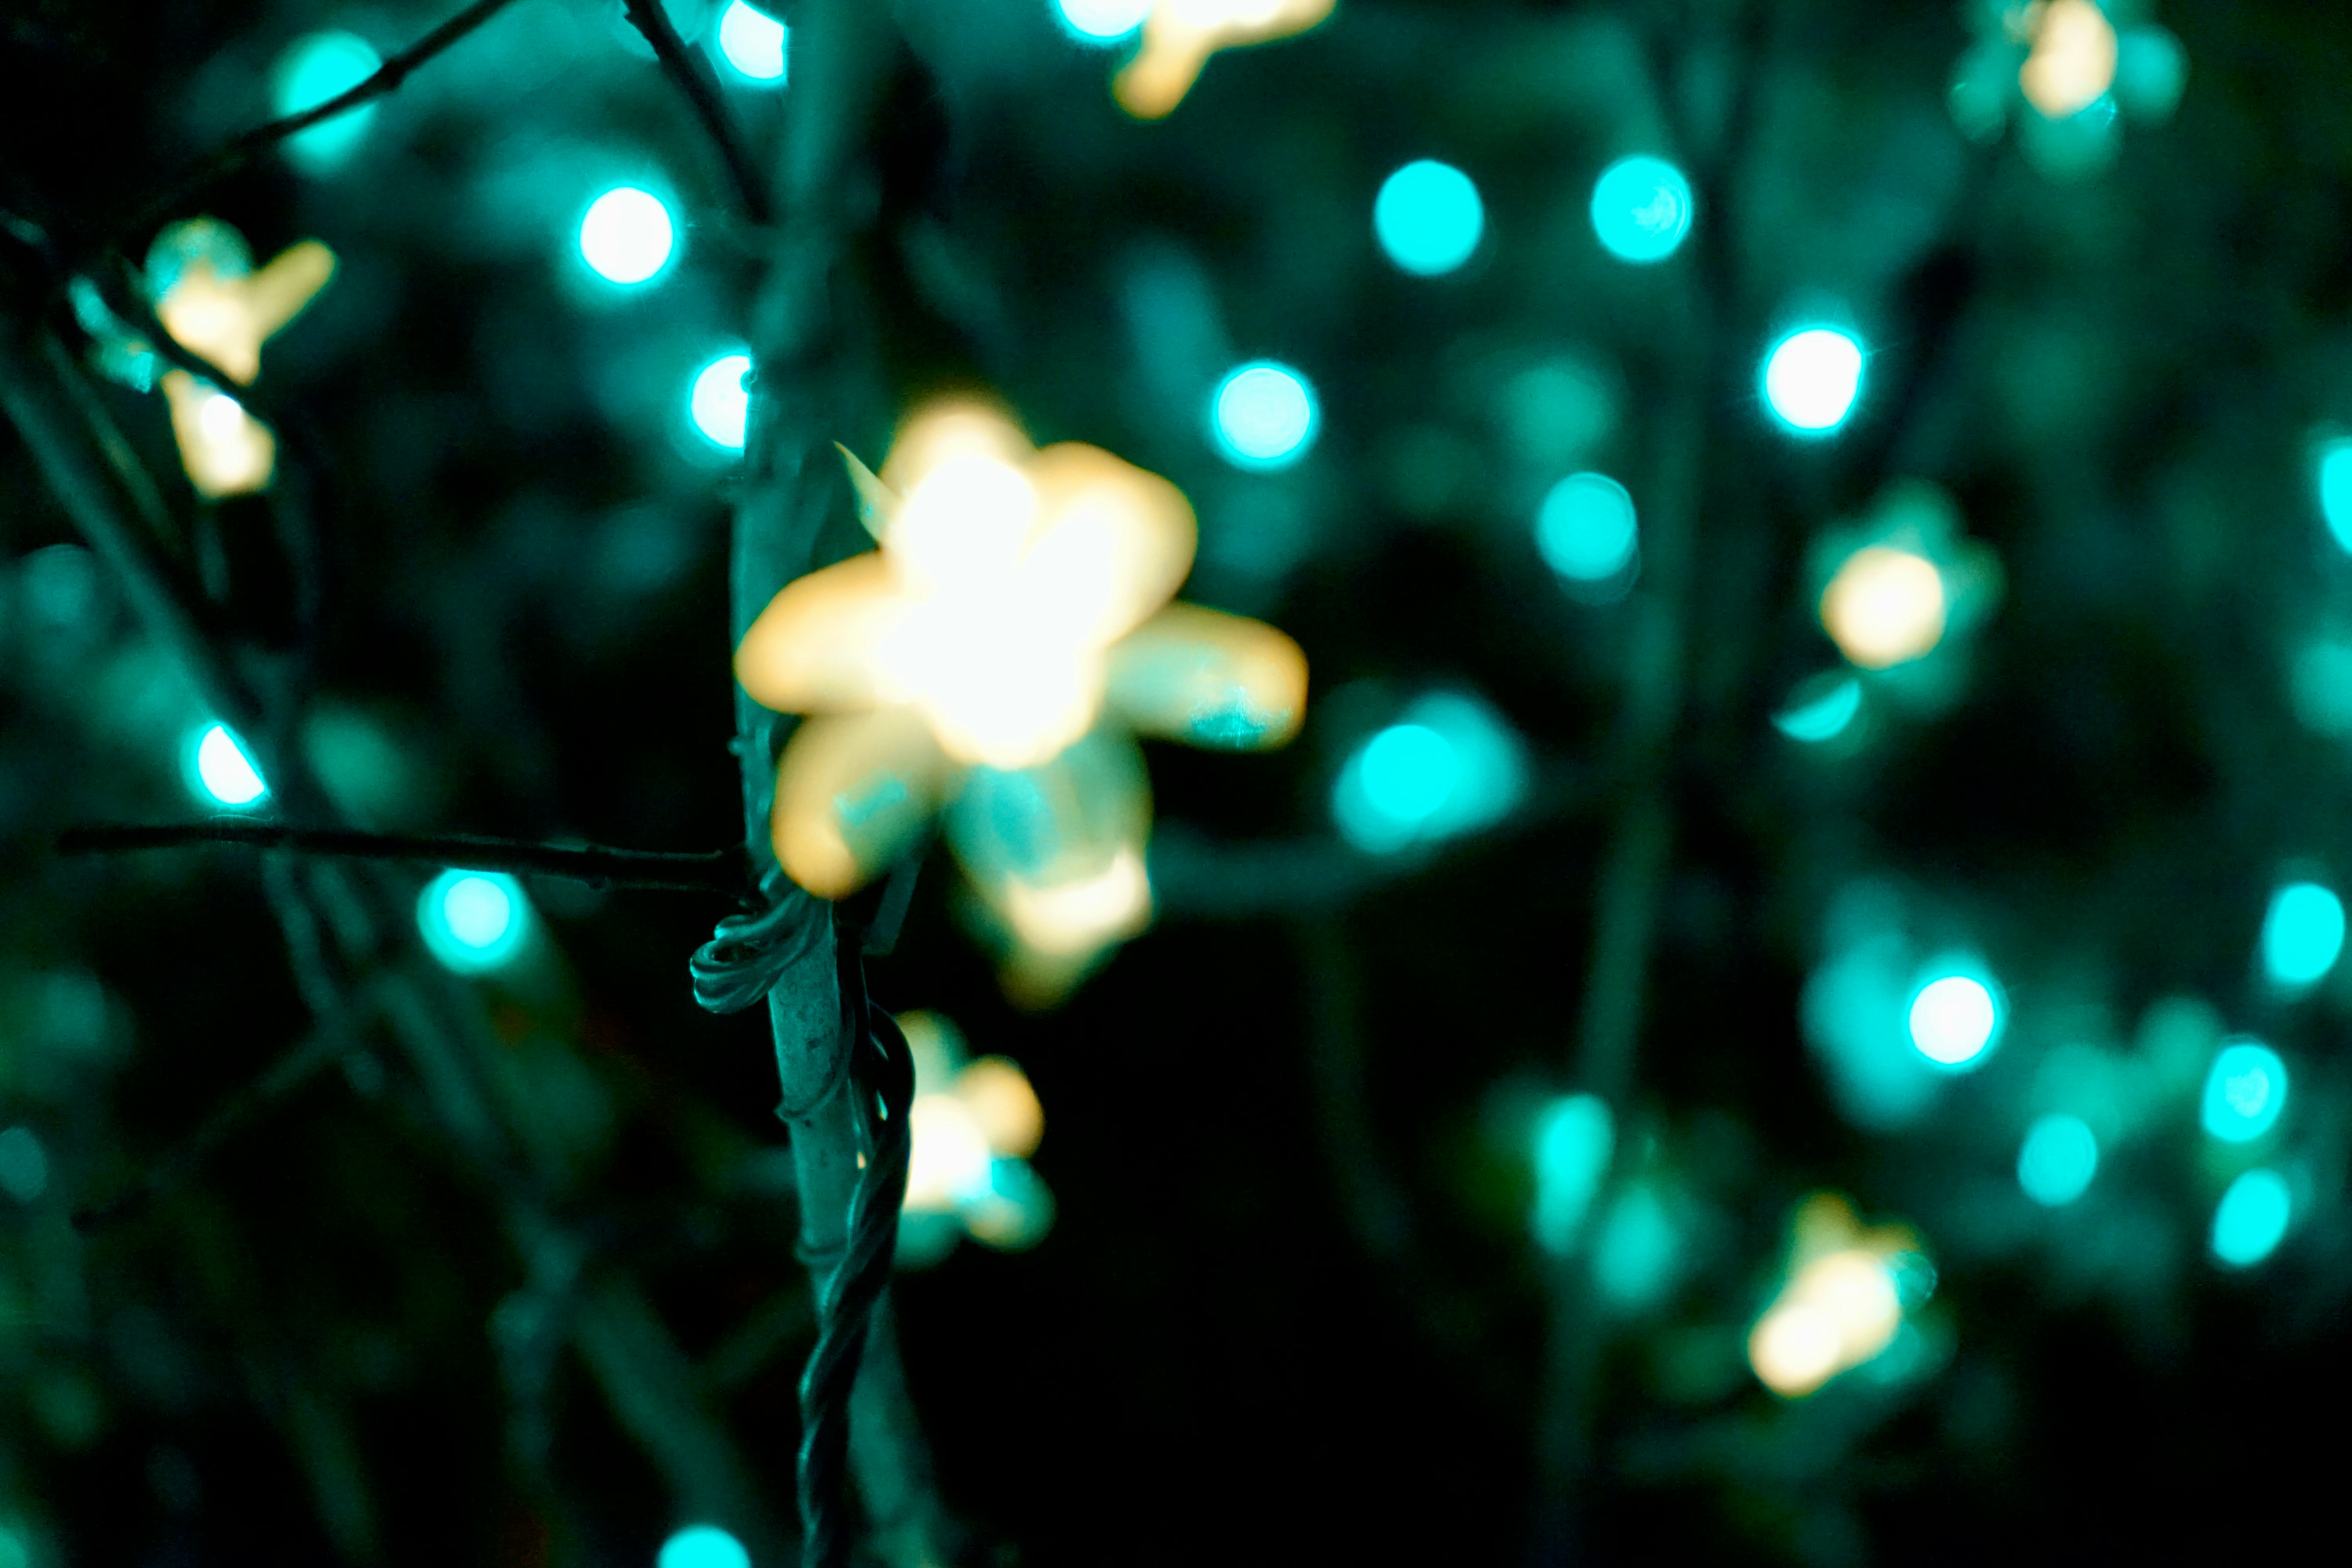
(693, 78)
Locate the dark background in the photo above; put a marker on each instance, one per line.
(1288, 1310)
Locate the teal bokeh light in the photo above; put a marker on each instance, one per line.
(2303, 934)
(2335, 488)
(1428, 218)
(1820, 711)
(1640, 209)
(702, 1546)
(1955, 1016)
(221, 772)
(719, 404)
(1101, 22)
(313, 69)
(627, 236)
(1574, 1139)
(2245, 1092)
(1586, 528)
(1264, 415)
(2060, 1156)
(473, 921)
(1448, 766)
(753, 43)
(1811, 379)
(2251, 1218)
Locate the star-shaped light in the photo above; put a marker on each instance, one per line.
(993, 660)
(1179, 37)
(209, 298)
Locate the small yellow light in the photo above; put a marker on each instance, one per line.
(1080, 917)
(227, 318)
(1885, 606)
(1840, 1307)
(2073, 60)
(997, 1095)
(1179, 37)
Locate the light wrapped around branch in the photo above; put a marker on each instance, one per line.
(210, 299)
(1179, 37)
(993, 660)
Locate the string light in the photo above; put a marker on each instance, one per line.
(1955, 1020)
(702, 1546)
(972, 1128)
(2073, 60)
(1428, 218)
(627, 236)
(2303, 934)
(754, 44)
(2251, 1218)
(1179, 37)
(1821, 710)
(210, 299)
(312, 70)
(473, 922)
(1841, 1303)
(2334, 478)
(1101, 22)
(1265, 415)
(1586, 529)
(1574, 1138)
(719, 404)
(2245, 1091)
(2057, 1160)
(997, 652)
(222, 772)
(1640, 209)
(1448, 766)
(1811, 379)
(1885, 606)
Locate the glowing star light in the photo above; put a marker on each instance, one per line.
(209, 298)
(1843, 1300)
(1179, 37)
(993, 660)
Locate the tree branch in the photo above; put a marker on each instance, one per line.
(599, 866)
(693, 78)
(235, 154)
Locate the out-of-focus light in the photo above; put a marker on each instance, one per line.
(312, 70)
(2152, 70)
(970, 1127)
(1179, 37)
(720, 403)
(1014, 1212)
(24, 1164)
(947, 1160)
(1820, 712)
(473, 922)
(1428, 218)
(2303, 934)
(1811, 379)
(1640, 209)
(1885, 606)
(753, 43)
(2335, 490)
(1265, 415)
(1574, 1138)
(2073, 58)
(2060, 1156)
(702, 1546)
(211, 299)
(1955, 1020)
(627, 236)
(2245, 1091)
(1101, 21)
(1002, 1106)
(1843, 1302)
(224, 774)
(1448, 766)
(1635, 1253)
(1586, 528)
(2251, 1218)
(1065, 920)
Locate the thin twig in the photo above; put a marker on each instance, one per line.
(693, 78)
(599, 866)
(235, 154)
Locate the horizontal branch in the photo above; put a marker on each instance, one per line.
(235, 154)
(719, 871)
